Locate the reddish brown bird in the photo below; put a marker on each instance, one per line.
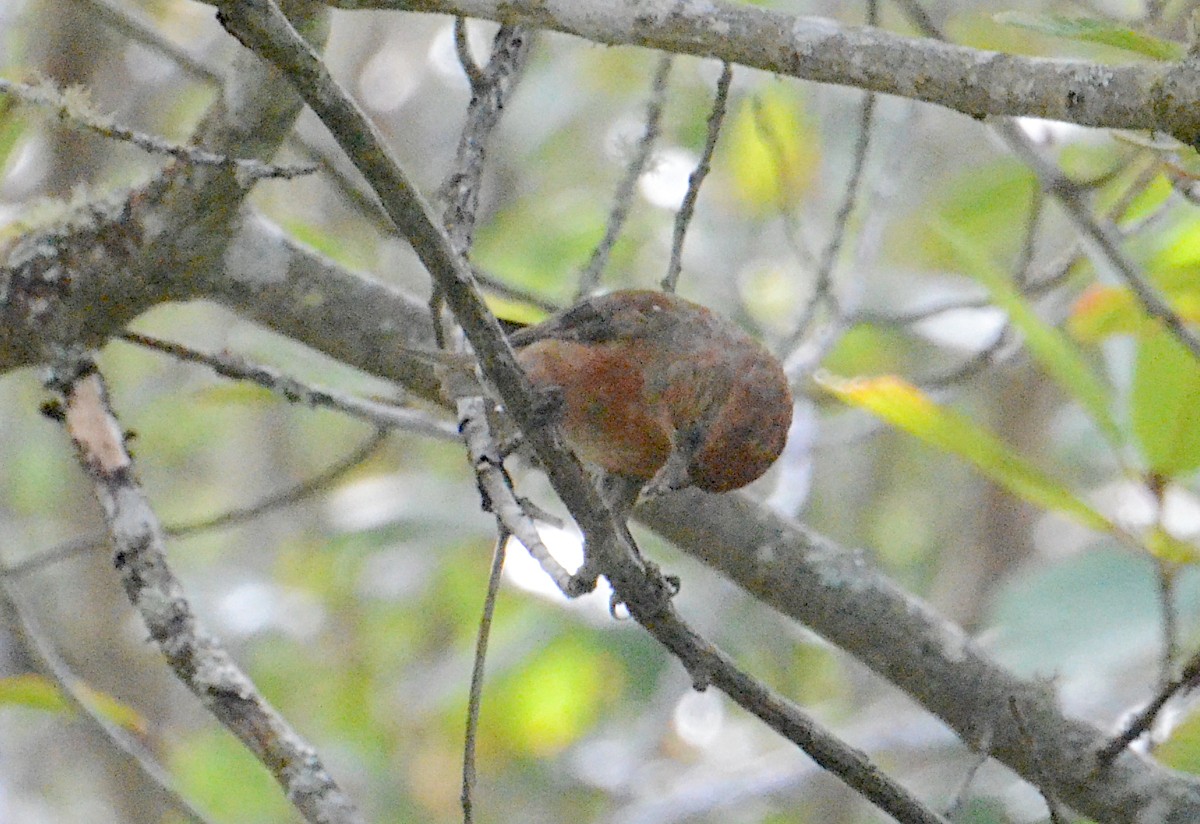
(661, 390)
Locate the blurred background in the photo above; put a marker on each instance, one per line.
(355, 607)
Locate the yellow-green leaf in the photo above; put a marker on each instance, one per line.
(33, 691)
(1102, 311)
(1182, 750)
(514, 311)
(12, 129)
(989, 202)
(37, 692)
(906, 407)
(1089, 30)
(1165, 404)
(772, 149)
(1050, 347)
(1166, 546)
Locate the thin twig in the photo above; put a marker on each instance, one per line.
(139, 28)
(495, 487)
(1050, 276)
(62, 552)
(1033, 219)
(823, 292)
(683, 218)
(71, 687)
(286, 497)
(277, 500)
(982, 757)
(823, 282)
(1101, 240)
(589, 277)
(382, 415)
(462, 49)
(476, 693)
(491, 88)
(73, 107)
(1141, 723)
(970, 367)
(1170, 620)
(960, 797)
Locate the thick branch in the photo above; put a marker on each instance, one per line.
(836, 593)
(1160, 96)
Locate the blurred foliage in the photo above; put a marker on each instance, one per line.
(1182, 749)
(1091, 30)
(987, 203)
(772, 150)
(227, 782)
(38, 692)
(1165, 405)
(356, 609)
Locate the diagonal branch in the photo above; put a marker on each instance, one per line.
(259, 25)
(834, 591)
(197, 658)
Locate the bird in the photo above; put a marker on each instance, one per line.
(659, 390)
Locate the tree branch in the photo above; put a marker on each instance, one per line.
(197, 658)
(259, 25)
(1160, 96)
(836, 593)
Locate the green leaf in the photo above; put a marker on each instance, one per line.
(1182, 750)
(1050, 347)
(772, 149)
(906, 407)
(223, 778)
(556, 697)
(32, 691)
(1103, 311)
(1165, 404)
(989, 202)
(12, 129)
(41, 693)
(1089, 30)
(1165, 546)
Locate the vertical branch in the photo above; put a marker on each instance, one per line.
(589, 278)
(823, 282)
(684, 217)
(491, 87)
(476, 692)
